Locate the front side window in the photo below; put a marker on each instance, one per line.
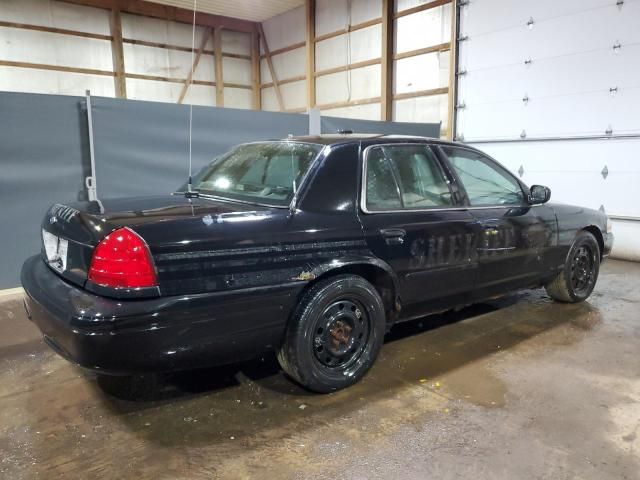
(407, 177)
(485, 182)
(265, 173)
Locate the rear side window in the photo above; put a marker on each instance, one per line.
(486, 182)
(405, 177)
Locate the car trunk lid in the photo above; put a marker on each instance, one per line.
(70, 232)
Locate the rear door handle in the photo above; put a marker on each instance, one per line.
(393, 236)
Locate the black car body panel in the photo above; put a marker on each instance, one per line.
(231, 273)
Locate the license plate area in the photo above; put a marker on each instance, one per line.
(56, 250)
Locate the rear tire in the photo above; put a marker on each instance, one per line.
(580, 272)
(334, 335)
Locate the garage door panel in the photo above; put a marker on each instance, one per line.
(485, 20)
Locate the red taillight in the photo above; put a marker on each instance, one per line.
(122, 260)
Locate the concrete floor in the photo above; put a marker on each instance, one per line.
(518, 388)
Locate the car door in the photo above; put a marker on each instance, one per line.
(513, 236)
(412, 219)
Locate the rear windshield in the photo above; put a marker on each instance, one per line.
(265, 173)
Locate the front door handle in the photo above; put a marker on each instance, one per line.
(393, 236)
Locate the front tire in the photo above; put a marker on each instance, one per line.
(335, 334)
(578, 277)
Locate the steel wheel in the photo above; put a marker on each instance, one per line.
(341, 333)
(582, 270)
(577, 279)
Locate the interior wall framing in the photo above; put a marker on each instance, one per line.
(68, 47)
(368, 59)
(354, 75)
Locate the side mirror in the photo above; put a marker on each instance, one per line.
(539, 194)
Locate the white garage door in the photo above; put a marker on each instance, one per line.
(552, 90)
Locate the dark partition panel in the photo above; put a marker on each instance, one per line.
(142, 148)
(43, 148)
(333, 124)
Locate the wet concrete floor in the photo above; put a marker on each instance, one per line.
(515, 388)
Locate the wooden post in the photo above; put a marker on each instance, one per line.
(386, 107)
(196, 60)
(217, 52)
(311, 52)
(274, 78)
(453, 66)
(117, 53)
(255, 71)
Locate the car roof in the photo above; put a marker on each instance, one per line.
(365, 138)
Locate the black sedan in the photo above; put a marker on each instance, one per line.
(312, 247)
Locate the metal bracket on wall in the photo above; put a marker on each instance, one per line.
(605, 172)
(90, 182)
(530, 23)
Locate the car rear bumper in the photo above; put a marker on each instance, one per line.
(167, 333)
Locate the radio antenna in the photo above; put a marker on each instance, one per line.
(190, 192)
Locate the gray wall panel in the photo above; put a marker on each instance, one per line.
(143, 147)
(43, 148)
(333, 124)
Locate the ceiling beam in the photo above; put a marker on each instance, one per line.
(166, 12)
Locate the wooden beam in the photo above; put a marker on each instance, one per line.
(117, 54)
(279, 51)
(237, 85)
(386, 110)
(196, 60)
(310, 6)
(349, 103)
(255, 71)
(421, 93)
(352, 28)
(180, 48)
(453, 67)
(62, 31)
(421, 8)
(443, 47)
(157, 78)
(272, 71)
(56, 68)
(166, 12)
(345, 68)
(217, 48)
(298, 78)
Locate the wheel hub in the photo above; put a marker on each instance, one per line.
(582, 269)
(340, 334)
